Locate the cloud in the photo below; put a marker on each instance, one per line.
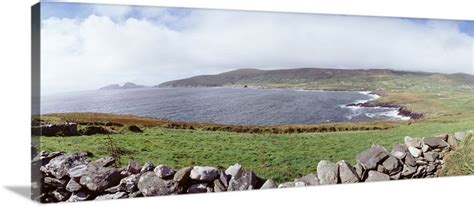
(160, 45)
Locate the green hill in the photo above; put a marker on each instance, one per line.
(330, 79)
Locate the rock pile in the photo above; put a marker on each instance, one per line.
(73, 177)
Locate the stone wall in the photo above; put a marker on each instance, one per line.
(73, 177)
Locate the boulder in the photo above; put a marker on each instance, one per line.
(412, 142)
(292, 184)
(77, 171)
(198, 188)
(347, 173)
(114, 196)
(425, 148)
(97, 179)
(371, 157)
(182, 176)
(60, 165)
(61, 195)
(414, 152)
(269, 184)
(410, 160)
(234, 170)
(452, 141)
(399, 151)
(430, 156)
(151, 185)
(327, 172)
(73, 186)
(57, 183)
(374, 176)
(219, 186)
(135, 128)
(391, 164)
(309, 179)
(104, 162)
(133, 167)
(147, 167)
(408, 170)
(224, 178)
(361, 172)
(127, 184)
(204, 173)
(435, 142)
(163, 171)
(246, 181)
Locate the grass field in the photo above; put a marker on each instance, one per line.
(282, 156)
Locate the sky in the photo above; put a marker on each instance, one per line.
(87, 46)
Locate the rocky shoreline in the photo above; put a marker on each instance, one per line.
(401, 109)
(73, 177)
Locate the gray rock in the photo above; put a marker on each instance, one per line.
(246, 181)
(381, 169)
(372, 156)
(420, 171)
(377, 176)
(118, 195)
(327, 172)
(182, 176)
(224, 178)
(399, 151)
(408, 170)
(127, 184)
(61, 183)
(198, 188)
(60, 165)
(61, 195)
(73, 186)
(148, 166)
(431, 168)
(77, 171)
(396, 176)
(218, 186)
(435, 142)
(361, 172)
(98, 179)
(204, 173)
(104, 162)
(151, 185)
(452, 141)
(347, 173)
(309, 179)
(286, 185)
(234, 170)
(460, 136)
(410, 160)
(421, 162)
(133, 167)
(269, 184)
(430, 156)
(163, 171)
(414, 151)
(78, 196)
(412, 142)
(425, 148)
(391, 164)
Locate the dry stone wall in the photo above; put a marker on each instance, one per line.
(73, 177)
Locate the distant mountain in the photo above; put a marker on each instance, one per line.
(128, 85)
(370, 79)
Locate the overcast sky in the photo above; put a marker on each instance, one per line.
(85, 47)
